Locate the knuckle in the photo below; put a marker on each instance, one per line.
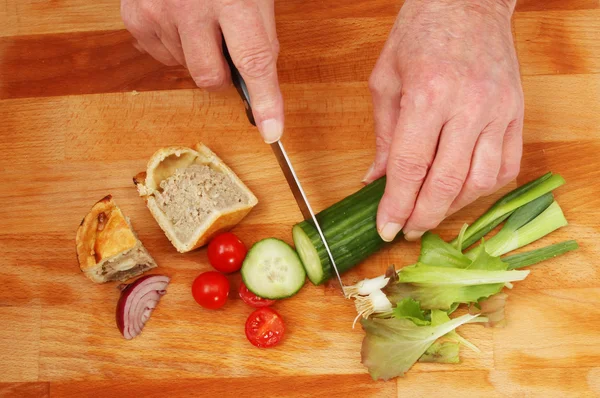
(382, 142)
(509, 173)
(431, 88)
(276, 47)
(483, 88)
(132, 24)
(257, 63)
(178, 5)
(396, 209)
(508, 96)
(483, 182)
(148, 10)
(210, 80)
(375, 82)
(230, 3)
(424, 223)
(408, 168)
(446, 185)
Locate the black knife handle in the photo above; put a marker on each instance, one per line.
(239, 84)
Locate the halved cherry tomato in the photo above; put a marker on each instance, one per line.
(211, 289)
(226, 252)
(265, 328)
(252, 299)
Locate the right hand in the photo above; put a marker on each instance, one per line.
(188, 33)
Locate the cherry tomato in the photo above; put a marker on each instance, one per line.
(226, 252)
(252, 299)
(264, 328)
(211, 289)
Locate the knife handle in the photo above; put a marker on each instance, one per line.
(239, 83)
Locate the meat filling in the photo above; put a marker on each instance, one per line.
(192, 194)
(133, 263)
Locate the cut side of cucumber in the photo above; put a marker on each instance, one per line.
(309, 255)
(272, 270)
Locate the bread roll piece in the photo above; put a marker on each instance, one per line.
(107, 247)
(193, 195)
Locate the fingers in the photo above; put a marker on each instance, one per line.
(411, 155)
(152, 45)
(512, 152)
(251, 51)
(172, 42)
(267, 12)
(385, 88)
(202, 47)
(485, 167)
(446, 178)
(140, 20)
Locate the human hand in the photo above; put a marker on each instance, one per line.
(448, 110)
(188, 33)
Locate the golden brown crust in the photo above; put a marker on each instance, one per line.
(162, 165)
(103, 233)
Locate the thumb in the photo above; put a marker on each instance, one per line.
(254, 56)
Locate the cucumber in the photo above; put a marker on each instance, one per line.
(350, 229)
(272, 270)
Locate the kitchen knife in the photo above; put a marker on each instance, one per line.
(284, 162)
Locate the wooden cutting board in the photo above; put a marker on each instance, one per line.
(80, 113)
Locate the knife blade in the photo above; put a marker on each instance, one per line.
(284, 163)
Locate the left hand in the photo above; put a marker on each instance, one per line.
(448, 109)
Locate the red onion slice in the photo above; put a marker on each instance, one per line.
(137, 301)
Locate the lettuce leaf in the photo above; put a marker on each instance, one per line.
(439, 317)
(392, 346)
(408, 308)
(436, 252)
(443, 297)
(442, 352)
(484, 261)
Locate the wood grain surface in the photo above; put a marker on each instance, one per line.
(81, 111)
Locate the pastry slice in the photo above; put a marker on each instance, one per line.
(107, 247)
(193, 195)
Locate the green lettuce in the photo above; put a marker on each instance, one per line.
(441, 297)
(407, 308)
(392, 346)
(442, 352)
(436, 252)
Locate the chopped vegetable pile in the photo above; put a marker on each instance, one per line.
(406, 314)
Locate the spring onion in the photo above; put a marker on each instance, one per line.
(508, 203)
(511, 239)
(538, 255)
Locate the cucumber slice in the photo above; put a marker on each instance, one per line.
(309, 256)
(272, 270)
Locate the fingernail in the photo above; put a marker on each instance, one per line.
(413, 235)
(271, 130)
(389, 231)
(366, 177)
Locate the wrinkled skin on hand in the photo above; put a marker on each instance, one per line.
(448, 110)
(188, 32)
